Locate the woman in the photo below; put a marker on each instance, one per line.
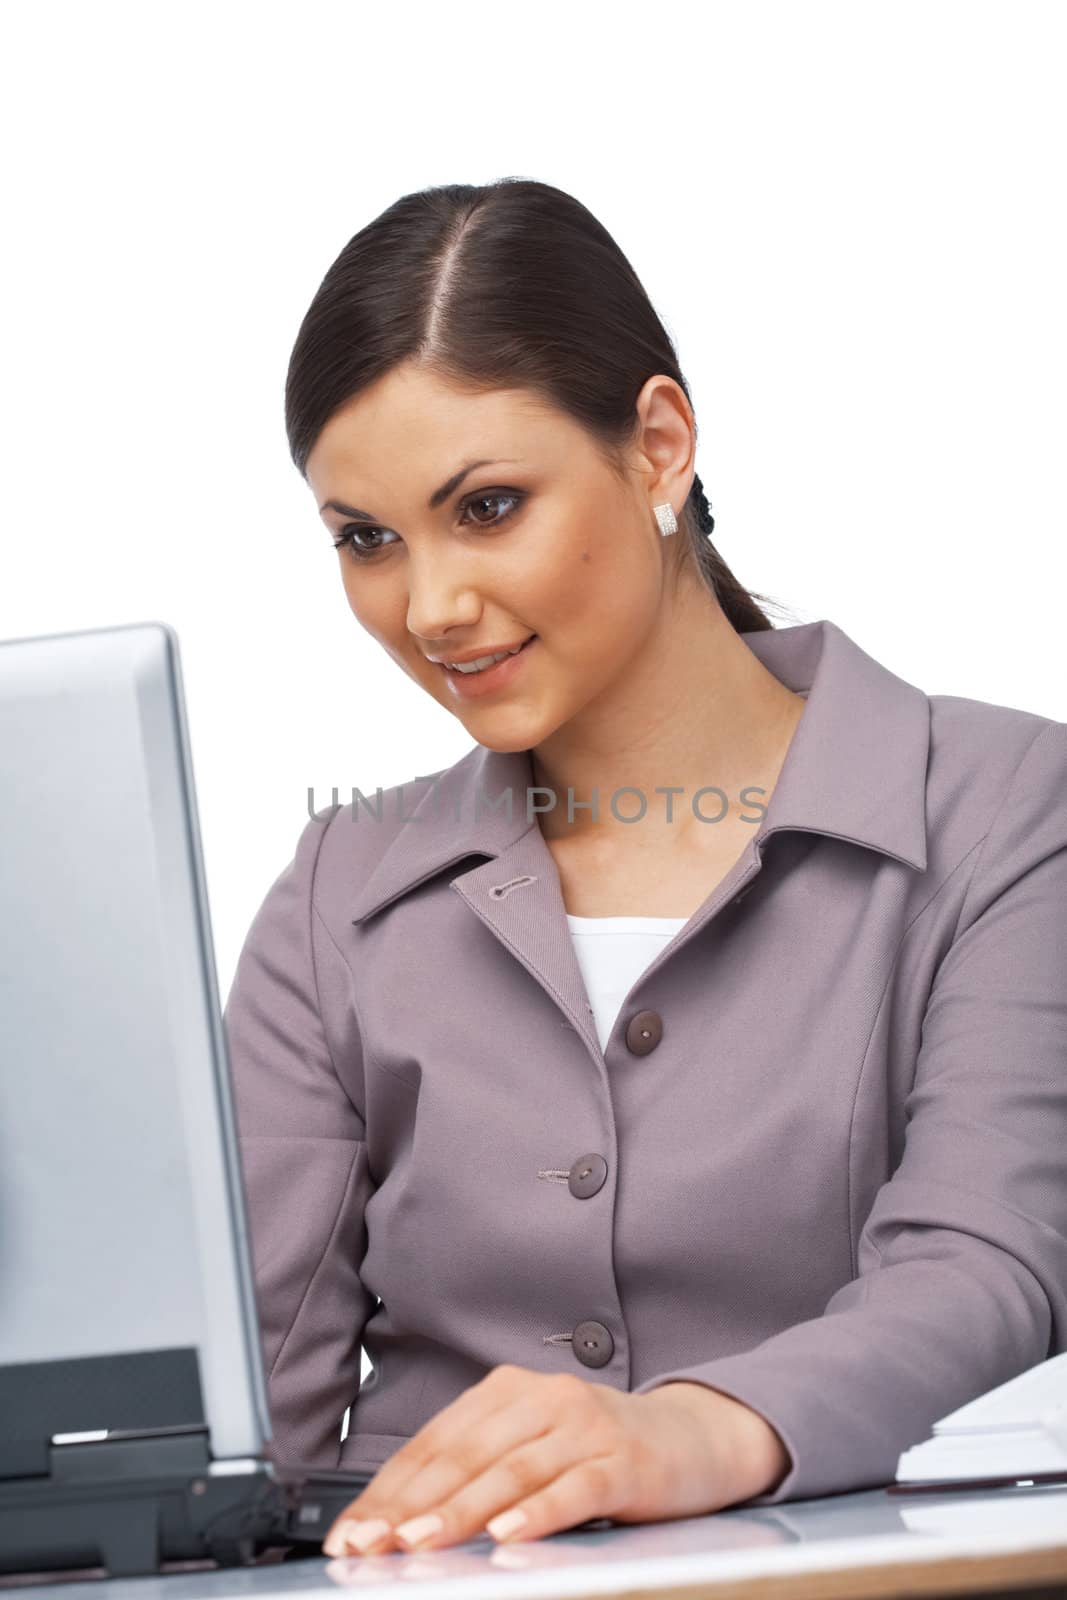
(671, 1097)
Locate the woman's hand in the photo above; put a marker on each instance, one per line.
(530, 1454)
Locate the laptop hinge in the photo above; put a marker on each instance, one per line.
(71, 1405)
(129, 1453)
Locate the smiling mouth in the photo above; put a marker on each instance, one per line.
(465, 669)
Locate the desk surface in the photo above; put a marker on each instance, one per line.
(845, 1547)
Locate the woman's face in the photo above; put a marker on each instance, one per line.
(540, 540)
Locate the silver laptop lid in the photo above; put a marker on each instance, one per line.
(122, 1222)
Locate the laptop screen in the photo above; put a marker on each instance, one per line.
(122, 1223)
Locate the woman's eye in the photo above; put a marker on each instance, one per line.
(346, 540)
(488, 499)
(349, 534)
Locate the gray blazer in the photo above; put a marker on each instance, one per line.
(820, 1166)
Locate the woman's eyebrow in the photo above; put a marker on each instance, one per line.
(435, 499)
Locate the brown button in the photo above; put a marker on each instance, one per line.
(644, 1032)
(592, 1344)
(587, 1176)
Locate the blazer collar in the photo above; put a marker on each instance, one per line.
(855, 770)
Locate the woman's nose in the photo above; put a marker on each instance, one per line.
(440, 603)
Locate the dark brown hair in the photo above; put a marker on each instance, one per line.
(512, 284)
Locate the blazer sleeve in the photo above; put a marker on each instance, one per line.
(301, 1135)
(962, 1261)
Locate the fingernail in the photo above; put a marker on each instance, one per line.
(337, 1543)
(420, 1528)
(507, 1522)
(363, 1534)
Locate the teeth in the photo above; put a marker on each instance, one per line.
(481, 662)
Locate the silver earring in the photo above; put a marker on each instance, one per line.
(668, 522)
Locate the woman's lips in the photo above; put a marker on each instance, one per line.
(472, 685)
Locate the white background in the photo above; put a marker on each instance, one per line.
(850, 217)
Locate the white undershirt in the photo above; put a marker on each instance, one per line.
(612, 953)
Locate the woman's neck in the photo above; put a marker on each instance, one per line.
(704, 711)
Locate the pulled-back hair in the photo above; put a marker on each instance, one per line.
(512, 284)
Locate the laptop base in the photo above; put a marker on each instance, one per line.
(133, 1501)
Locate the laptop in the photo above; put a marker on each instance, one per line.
(134, 1417)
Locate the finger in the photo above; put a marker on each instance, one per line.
(457, 1436)
(518, 1462)
(471, 1460)
(527, 1416)
(593, 1487)
(379, 1498)
(506, 1485)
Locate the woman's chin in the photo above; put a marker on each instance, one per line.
(504, 741)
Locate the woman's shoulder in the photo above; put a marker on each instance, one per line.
(984, 757)
(983, 738)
